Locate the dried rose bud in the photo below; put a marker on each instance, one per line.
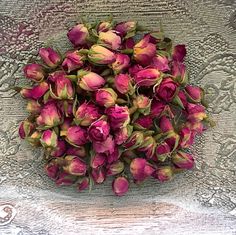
(98, 175)
(106, 97)
(109, 39)
(101, 55)
(78, 151)
(98, 160)
(65, 179)
(143, 103)
(195, 112)
(121, 63)
(107, 146)
(49, 57)
(104, 26)
(126, 29)
(147, 77)
(90, 81)
(49, 139)
(160, 63)
(194, 93)
(113, 156)
(183, 160)
(83, 183)
(115, 168)
(74, 166)
(144, 51)
(134, 141)
(59, 150)
(181, 95)
(33, 107)
(86, 114)
(49, 115)
(26, 129)
(157, 108)
(179, 72)
(34, 138)
(99, 130)
(120, 186)
(52, 170)
(179, 53)
(148, 146)
(163, 173)
(123, 83)
(167, 89)
(76, 135)
(35, 92)
(118, 116)
(162, 151)
(165, 124)
(186, 137)
(73, 60)
(62, 88)
(34, 72)
(78, 35)
(128, 43)
(144, 122)
(122, 134)
(197, 127)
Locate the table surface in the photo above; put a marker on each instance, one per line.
(202, 201)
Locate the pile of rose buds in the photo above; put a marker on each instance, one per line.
(118, 104)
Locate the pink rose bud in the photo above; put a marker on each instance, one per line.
(144, 122)
(34, 138)
(62, 88)
(148, 147)
(123, 83)
(183, 98)
(135, 140)
(49, 139)
(90, 81)
(166, 90)
(73, 61)
(109, 39)
(147, 77)
(59, 150)
(78, 151)
(118, 116)
(34, 72)
(157, 108)
(35, 92)
(165, 124)
(33, 107)
(126, 29)
(106, 97)
(83, 183)
(144, 51)
(164, 173)
(197, 127)
(52, 170)
(179, 72)
(65, 179)
(162, 151)
(49, 115)
(128, 43)
(104, 26)
(113, 156)
(179, 53)
(100, 55)
(49, 57)
(137, 168)
(99, 131)
(74, 166)
(76, 135)
(26, 129)
(134, 69)
(98, 175)
(196, 112)
(86, 114)
(183, 160)
(160, 63)
(98, 160)
(115, 168)
(120, 186)
(186, 137)
(122, 134)
(121, 63)
(78, 35)
(143, 103)
(107, 146)
(194, 93)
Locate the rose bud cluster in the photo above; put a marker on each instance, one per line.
(114, 105)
